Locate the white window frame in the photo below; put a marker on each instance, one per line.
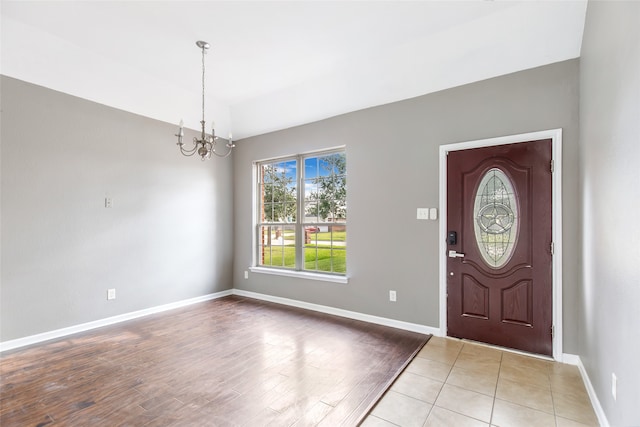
(299, 224)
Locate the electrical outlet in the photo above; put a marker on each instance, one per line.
(614, 386)
(392, 296)
(246, 274)
(108, 202)
(111, 294)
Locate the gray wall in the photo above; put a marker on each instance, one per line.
(610, 192)
(167, 238)
(392, 166)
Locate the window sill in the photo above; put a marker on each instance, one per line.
(301, 274)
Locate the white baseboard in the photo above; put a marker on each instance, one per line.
(58, 333)
(413, 327)
(573, 359)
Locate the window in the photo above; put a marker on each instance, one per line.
(301, 222)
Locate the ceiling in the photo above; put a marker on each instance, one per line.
(277, 64)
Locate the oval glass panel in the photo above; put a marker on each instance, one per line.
(495, 218)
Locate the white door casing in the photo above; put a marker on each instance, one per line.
(556, 190)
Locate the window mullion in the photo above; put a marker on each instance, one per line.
(300, 216)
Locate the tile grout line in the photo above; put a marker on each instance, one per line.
(553, 400)
(445, 381)
(495, 391)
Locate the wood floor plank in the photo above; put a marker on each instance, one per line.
(231, 361)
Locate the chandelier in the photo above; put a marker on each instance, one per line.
(206, 144)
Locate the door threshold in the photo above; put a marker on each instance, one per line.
(507, 349)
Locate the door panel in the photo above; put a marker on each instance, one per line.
(499, 281)
(475, 298)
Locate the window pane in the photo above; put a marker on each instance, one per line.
(311, 168)
(277, 246)
(265, 173)
(267, 213)
(311, 189)
(330, 190)
(310, 201)
(341, 199)
(310, 212)
(286, 178)
(290, 211)
(324, 166)
(267, 192)
(290, 193)
(290, 169)
(278, 192)
(334, 164)
(325, 248)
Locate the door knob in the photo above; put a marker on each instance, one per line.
(454, 254)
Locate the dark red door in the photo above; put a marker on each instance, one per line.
(499, 272)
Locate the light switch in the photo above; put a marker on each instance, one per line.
(423, 213)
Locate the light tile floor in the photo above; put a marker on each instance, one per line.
(457, 383)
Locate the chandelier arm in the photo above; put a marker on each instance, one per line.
(188, 153)
(226, 154)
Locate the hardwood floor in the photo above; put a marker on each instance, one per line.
(229, 362)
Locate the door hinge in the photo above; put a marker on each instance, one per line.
(553, 166)
(551, 331)
(552, 248)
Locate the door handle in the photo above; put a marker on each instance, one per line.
(454, 254)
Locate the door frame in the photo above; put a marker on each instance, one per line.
(556, 222)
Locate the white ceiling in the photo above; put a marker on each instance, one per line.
(277, 64)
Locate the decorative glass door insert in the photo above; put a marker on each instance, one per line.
(496, 218)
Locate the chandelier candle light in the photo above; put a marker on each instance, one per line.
(206, 144)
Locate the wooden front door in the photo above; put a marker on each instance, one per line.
(499, 247)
